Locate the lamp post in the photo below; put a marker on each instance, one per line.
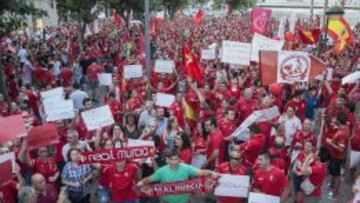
(332, 13)
(147, 40)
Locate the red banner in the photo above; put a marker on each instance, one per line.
(106, 156)
(259, 20)
(6, 172)
(198, 185)
(41, 136)
(12, 127)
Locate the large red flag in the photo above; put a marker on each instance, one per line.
(197, 19)
(117, 19)
(259, 20)
(288, 67)
(192, 68)
(309, 37)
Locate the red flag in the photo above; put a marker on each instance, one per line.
(192, 68)
(288, 66)
(43, 135)
(197, 19)
(12, 127)
(117, 19)
(259, 20)
(309, 37)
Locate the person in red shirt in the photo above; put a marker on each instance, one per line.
(252, 147)
(233, 167)
(92, 72)
(300, 137)
(215, 152)
(226, 124)
(122, 177)
(279, 156)
(115, 107)
(269, 179)
(338, 145)
(355, 147)
(246, 105)
(183, 146)
(299, 103)
(66, 75)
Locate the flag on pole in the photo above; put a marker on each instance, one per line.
(192, 68)
(288, 67)
(309, 37)
(340, 31)
(197, 19)
(259, 20)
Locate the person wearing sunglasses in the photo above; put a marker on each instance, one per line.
(233, 167)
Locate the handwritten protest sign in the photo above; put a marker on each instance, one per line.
(97, 118)
(232, 186)
(137, 142)
(208, 54)
(106, 156)
(58, 109)
(164, 100)
(12, 127)
(164, 66)
(243, 128)
(236, 52)
(260, 42)
(53, 93)
(263, 198)
(269, 114)
(41, 136)
(351, 78)
(105, 79)
(133, 71)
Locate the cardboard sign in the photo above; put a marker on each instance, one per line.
(58, 109)
(137, 143)
(263, 198)
(164, 66)
(41, 136)
(106, 156)
(105, 79)
(133, 71)
(208, 54)
(233, 186)
(260, 42)
(293, 66)
(246, 123)
(269, 114)
(198, 185)
(164, 100)
(12, 127)
(351, 78)
(236, 53)
(53, 93)
(97, 118)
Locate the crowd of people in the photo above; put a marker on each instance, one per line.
(289, 157)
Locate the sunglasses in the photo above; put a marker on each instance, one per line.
(235, 158)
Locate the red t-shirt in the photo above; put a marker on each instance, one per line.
(66, 75)
(246, 108)
(225, 168)
(199, 142)
(33, 101)
(216, 141)
(279, 158)
(300, 137)
(9, 192)
(317, 177)
(272, 182)
(46, 168)
(251, 148)
(341, 138)
(92, 72)
(122, 183)
(355, 141)
(186, 155)
(226, 126)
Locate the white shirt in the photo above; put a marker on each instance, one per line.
(56, 68)
(145, 118)
(80, 145)
(291, 126)
(78, 97)
(22, 54)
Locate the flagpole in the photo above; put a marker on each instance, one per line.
(147, 42)
(323, 40)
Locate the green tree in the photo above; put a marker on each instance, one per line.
(172, 6)
(235, 4)
(124, 7)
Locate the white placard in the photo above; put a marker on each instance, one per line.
(232, 186)
(246, 123)
(212, 46)
(164, 66)
(236, 53)
(53, 93)
(260, 42)
(263, 198)
(133, 71)
(97, 118)
(354, 158)
(137, 143)
(105, 79)
(8, 156)
(351, 78)
(208, 54)
(269, 114)
(58, 109)
(198, 160)
(293, 66)
(327, 75)
(164, 100)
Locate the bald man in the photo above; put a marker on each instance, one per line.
(45, 192)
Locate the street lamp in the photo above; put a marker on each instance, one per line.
(333, 13)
